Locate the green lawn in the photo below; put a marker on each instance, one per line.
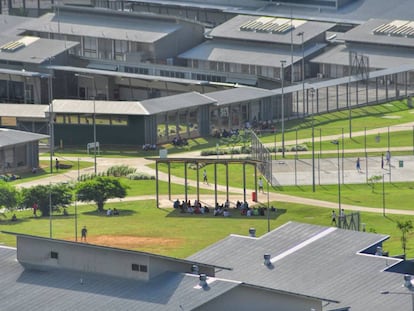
(397, 195)
(333, 123)
(180, 235)
(186, 234)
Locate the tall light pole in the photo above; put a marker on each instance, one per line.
(51, 127)
(312, 90)
(383, 193)
(76, 209)
(301, 34)
(336, 142)
(291, 45)
(50, 210)
(282, 75)
(94, 118)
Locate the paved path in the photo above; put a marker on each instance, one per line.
(331, 173)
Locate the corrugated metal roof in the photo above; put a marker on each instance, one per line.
(245, 53)
(62, 290)
(378, 57)
(315, 261)
(364, 34)
(130, 27)
(13, 137)
(126, 75)
(99, 107)
(176, 102)
(239, 94)
(10, 24)
(37, 52)
(23, 110)
(231, 30)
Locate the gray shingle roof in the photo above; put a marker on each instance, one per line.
(14, 137)
(57, 289)
(316, 261)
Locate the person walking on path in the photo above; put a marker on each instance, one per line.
(84, 232)
(382, 161)
(57, 164)
(358, 165)
(261, 185)
(388, 157)
(333, 221)
(205, 180)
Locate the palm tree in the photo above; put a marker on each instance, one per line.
(405, 227)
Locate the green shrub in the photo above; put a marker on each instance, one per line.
(140, 176)
(120, 170)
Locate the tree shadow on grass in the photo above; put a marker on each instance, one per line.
(234, 214)
(122, 213)
(9, 222)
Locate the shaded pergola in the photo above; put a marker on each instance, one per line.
(197, 161)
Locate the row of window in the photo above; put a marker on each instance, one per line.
(88, 120)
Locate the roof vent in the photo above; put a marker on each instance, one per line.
(267, 259)
(203, 280)
(194, 269)
(379, 251)
(252, 232)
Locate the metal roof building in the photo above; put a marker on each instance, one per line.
(53, 274)
(314, 260)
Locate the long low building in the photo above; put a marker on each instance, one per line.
(52, 274)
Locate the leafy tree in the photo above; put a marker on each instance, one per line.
(9, 196)
(373, 180)
(405, 227)
(59, 195)
(100, 189)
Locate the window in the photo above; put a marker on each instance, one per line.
(139, 268)
(121, 48)
(119, 120)
(89, 47)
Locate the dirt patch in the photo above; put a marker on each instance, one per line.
(133, 242)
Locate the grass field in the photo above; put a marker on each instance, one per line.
(143, 227)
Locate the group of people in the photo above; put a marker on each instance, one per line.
(187, 207)
(111, 212)
(246, 210)
(147, 147)
(178, 141)
(387, 161)
(334, 216)
(223, 133)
